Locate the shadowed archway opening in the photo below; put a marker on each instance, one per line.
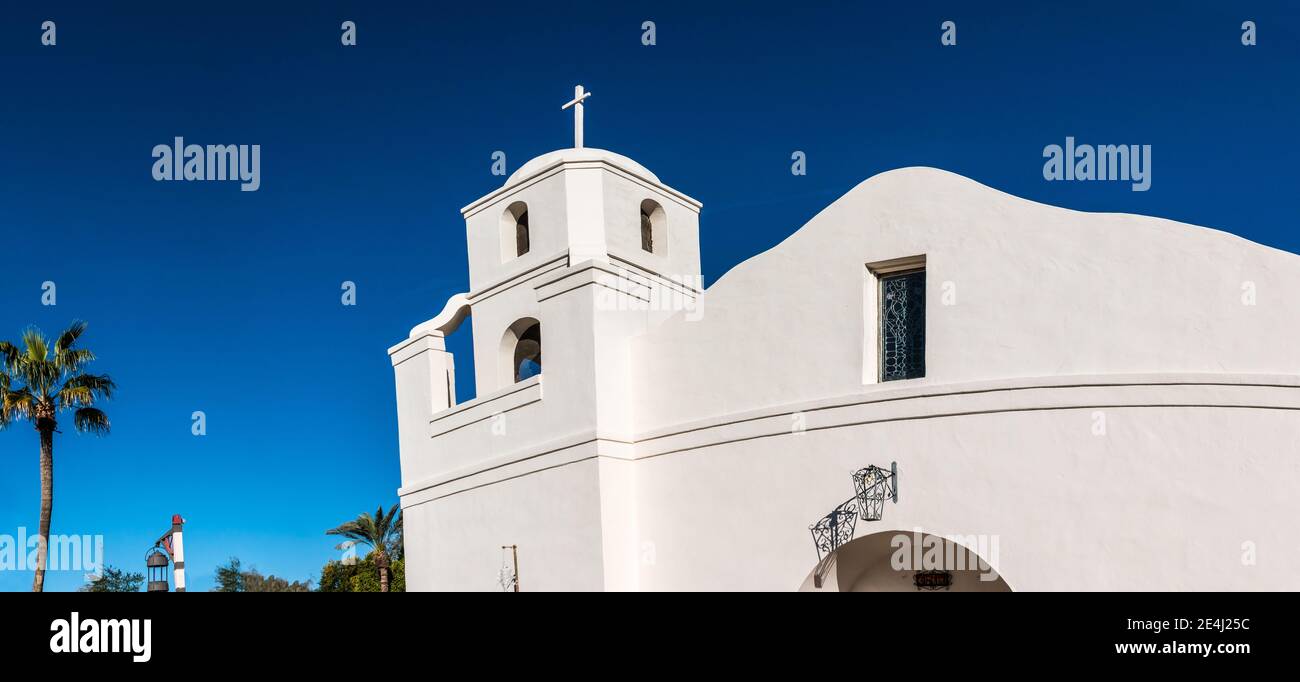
(516, 238)
(521, 351)
(654, 230)
(911, 561)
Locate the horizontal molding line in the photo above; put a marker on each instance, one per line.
(434, 432)
(502, 462)
(494, 481)
(509, 460)
(839, 403)
(731, 441)
(942, 415)
(590, 283)
(482, 403)
(652, 275)
(502, 284)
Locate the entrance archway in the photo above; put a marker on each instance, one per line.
(890, 561)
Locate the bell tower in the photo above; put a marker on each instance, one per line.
(579, 251)
(573, 218)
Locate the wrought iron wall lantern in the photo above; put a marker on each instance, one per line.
(872, 486)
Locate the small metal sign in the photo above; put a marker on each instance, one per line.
(932, 580)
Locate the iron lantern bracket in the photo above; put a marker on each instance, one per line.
(872, 486)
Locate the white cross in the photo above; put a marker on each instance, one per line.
(578, 96)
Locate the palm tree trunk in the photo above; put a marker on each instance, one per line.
(46, 429)
(381, 561)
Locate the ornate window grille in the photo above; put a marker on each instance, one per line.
(902, 326)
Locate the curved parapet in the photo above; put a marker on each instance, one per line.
(453, 313)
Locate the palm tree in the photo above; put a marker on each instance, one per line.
(5, 382)
(49, 381)
(382, 531)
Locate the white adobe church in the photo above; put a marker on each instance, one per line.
(1081, 400)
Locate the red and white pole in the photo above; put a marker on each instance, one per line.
(178, 552)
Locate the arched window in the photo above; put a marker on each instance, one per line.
(521, 351)
(515, 238)
(653, 237)
(528, 353)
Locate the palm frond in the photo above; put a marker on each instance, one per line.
(382, 531)
(9, 355)
(73, 359)
(84, 389)
(32, 366)
(69, 336)
(4, 391)
(91, 420)
(18, 403)
(37, 348)
(395, 517)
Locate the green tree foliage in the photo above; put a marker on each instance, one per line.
(382, 532)
(231, 577)
(256, 582)
(361, 576)
(114, 580)
(336, 576)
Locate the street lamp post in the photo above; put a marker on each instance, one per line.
(170, 548)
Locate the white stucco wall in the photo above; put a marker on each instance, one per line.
(553, 514)
(1182, 477)
(1040, 291)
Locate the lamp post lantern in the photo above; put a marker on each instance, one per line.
(168, 549)
(156, 562)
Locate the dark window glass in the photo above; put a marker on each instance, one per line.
(902, 326)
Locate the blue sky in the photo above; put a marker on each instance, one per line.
(202, 297)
